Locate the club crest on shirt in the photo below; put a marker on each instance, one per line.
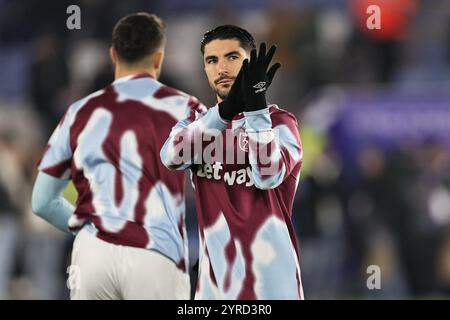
(243, 141)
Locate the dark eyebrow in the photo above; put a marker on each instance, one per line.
(226, 55)
(231, 53)
(210, 57)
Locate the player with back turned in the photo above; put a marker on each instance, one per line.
(131, 241)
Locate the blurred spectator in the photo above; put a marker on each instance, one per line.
(49, 80)
(11, 202)
(380, 48)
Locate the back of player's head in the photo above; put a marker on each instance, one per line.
(226, 32)
(137, 36)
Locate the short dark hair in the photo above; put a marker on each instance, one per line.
(229, 31)
(138, 35)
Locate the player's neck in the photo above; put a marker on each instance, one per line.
(125, 72)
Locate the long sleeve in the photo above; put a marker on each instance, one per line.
(274, 146)
(48, 203)
(185, 144)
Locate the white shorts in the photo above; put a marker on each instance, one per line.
(101, 270)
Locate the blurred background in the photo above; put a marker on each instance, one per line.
(374, 115)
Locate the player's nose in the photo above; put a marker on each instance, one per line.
(222, 68)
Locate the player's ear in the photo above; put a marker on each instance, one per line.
(158, 58)
(113, 55)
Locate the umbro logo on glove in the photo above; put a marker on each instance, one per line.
(260, 87)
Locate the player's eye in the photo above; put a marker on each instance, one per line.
(211, 61)
(233, 57)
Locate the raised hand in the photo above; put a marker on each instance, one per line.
(256, 79)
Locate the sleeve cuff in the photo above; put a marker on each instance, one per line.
(257, 112)
(258, 121)
(214, 120)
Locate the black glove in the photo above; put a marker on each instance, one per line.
(256, 79)
(234, 103)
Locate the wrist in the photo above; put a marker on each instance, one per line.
(256, 103)
(224, 111)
